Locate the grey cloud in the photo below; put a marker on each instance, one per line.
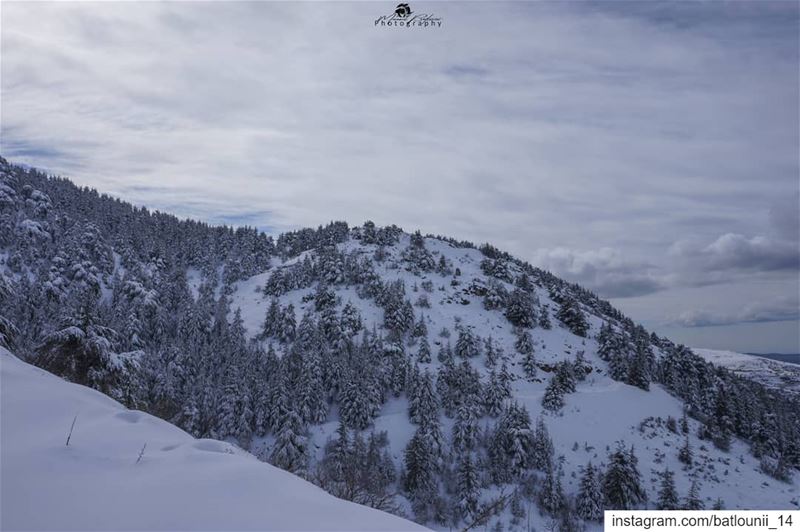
(784, 216)
(604, 271)
(782, 309)
(736, 252)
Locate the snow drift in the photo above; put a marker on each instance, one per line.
(180, 483)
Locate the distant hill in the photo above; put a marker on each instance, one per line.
(780, 357)
(772, 372)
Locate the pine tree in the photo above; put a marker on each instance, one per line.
(685, 423)
(466, 345)
(286, 332)
(565, 376)
(355, 406)
(553, 399)
(273, 321)
(465, 428)
(420, 466)
(529, 366)
(551, 495)
(468, 486)
(580, 367)
(668, 495)
(693, 500)
(424, 351)
(279, 402)
(543, 450)
(493, 396)
(524, 343)
(351, 321)
(491, 354)
(639, 369)
(622, 485)
(422, 399)
(685, 453)
(290, 451)
(511, 448)
(571, 315)
(312, 406)
(420, 329)
(520, 310)
(544, 319)
(589, 504)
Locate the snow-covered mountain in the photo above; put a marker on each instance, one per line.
(774, 374)
(98, 481)
(450, 383)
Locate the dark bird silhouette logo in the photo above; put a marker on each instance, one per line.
(402, 10)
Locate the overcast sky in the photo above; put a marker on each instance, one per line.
(648, 151)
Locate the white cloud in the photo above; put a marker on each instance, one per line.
(528, 125)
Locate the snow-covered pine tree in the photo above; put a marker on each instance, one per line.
(520, 309)
(468, 486)
(420, 329)
(312, 406)
(288, 324)
(553, 398)
(279, 402)
(493, 396)
(490, 352)
(466, 345)
(551, 493)
(640, 367)
(572, 316)
(290, 451)
(589, 503)
(465, 428)
(565, 375)
(511, 447)
(622, 484)
(273, 321)
(685, 452)
(424, 351)
(667, 494)
(351, 322)
(355, 408)
(693, 500)
(419, 479)
(422, 398)
(543, 450)
(544, 319)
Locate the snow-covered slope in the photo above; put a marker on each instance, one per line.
(602, 412)
(180, 483)
(771, 373)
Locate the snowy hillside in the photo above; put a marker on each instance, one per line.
(772, 373)
(601, 412)
(180, 483)
(446, 382)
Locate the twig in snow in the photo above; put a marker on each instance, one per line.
(141, 453)
(71, 427)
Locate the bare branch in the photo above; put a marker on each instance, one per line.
(70, 429)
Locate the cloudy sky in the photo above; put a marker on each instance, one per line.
(646, 150)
